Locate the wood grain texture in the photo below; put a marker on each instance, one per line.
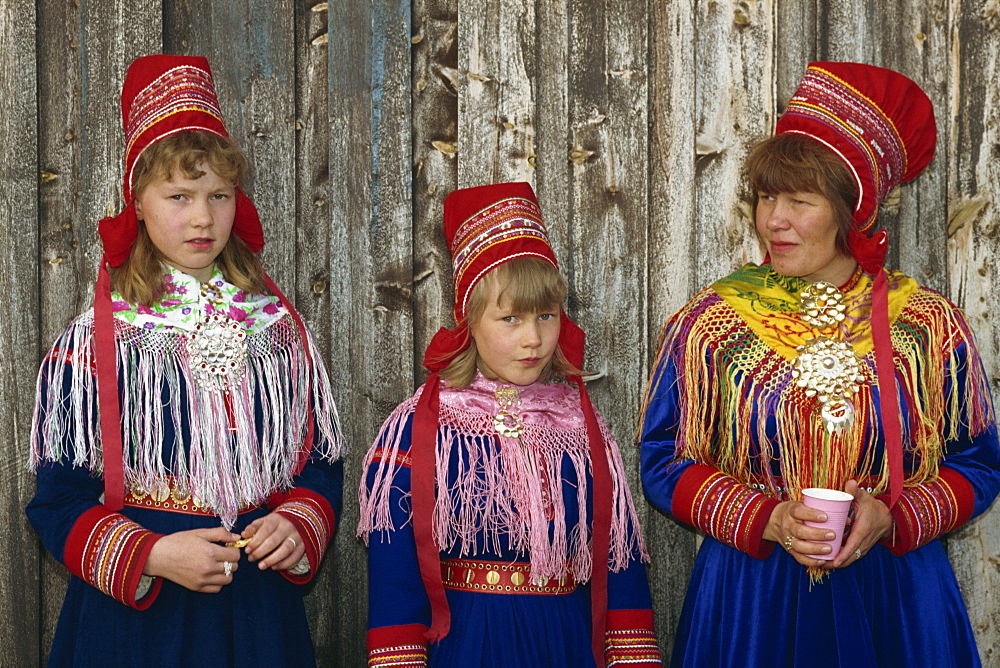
(19, 334)
(973, 143)
(630, 117)
(670, 263)
(371, 240)
(312, 273)
(435, 165)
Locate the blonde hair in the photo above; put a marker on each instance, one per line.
(530, 284)
(140, 278)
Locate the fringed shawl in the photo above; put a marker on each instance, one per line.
(231, 449)
(507, 491)
(731, 350)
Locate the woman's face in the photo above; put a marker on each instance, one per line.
(515, 347)
(799, 231)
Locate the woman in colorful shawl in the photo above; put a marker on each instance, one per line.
(819, 368)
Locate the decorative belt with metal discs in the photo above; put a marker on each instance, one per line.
(827, 368)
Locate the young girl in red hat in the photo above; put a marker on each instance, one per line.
(186, 420)
(500, 525)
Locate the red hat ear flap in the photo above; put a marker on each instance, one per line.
(246, 224)
(118, 235)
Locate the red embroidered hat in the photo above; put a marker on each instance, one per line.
(879, 122)
(486, 227)
(163, 95)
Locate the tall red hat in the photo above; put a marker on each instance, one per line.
(161, 96)
(878, 122)
(486, 227)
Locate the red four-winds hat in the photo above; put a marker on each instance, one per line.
(878, 122)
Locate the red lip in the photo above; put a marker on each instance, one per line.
(530, 361)
(781, 246)
(201, 244)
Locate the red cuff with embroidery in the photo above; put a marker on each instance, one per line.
(402, 645)
(630, 639)
(315, 521)
(724, 508)
(924, 512)
(108, 550)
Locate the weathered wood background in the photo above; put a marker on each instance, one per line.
(631, 117)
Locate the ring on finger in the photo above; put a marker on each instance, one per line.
(857, 553)
(788, 543)
(227, 568)
(294, 544)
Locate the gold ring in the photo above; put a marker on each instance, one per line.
(788, 543)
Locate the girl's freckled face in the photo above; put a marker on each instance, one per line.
(516, 348)
(189, 220)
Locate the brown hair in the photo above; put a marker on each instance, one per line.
(794, 163)
(140, 278)
(531, 284)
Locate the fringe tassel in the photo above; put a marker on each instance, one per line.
(496, 498)
(222, 456)
(725, 393)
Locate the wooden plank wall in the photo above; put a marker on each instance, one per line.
(631, 117)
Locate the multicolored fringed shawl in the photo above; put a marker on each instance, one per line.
(230, 448)
(497, 492)
(732, 350)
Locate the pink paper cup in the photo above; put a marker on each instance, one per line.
(836, 505)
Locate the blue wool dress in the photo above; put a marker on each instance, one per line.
(749, 604)
(494, 630)
(114, 616)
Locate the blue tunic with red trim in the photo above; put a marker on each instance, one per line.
(723, 382)
(499, 490)
(113, 615)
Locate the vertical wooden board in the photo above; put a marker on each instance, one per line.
(371, 233)
(83, 53)
(187, 28)
(610, 190)
(63, 230)
(915, 43)
(435, 156)
(734, 106)
(973, 256)
(670, 266)
(253, 62)
(19, 347)
(799, 28)
(552, 121)
(311, 222)
(496, 53)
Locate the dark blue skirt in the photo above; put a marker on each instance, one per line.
(257, 620)
(880, 611)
